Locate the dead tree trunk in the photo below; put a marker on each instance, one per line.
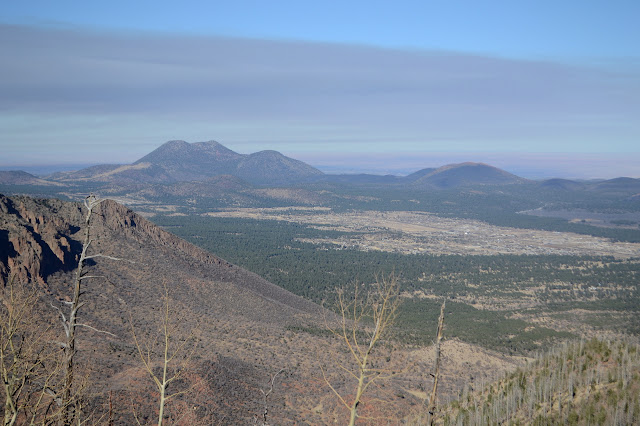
(68, 412)
(265, 395)
(436, 374)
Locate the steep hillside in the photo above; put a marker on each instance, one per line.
(271, 167)
(419, 174)
(42, 237)
(240, 319)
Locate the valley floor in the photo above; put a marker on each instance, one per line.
(418, 232)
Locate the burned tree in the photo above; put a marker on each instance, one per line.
(378, 305)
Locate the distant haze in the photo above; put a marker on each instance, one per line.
(527, 165)
(530, 166)
(537, 88)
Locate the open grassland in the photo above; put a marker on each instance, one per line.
(418, 232)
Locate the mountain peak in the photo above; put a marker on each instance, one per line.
(466, 164)
(175, 144)
(179, 151)
(180, 161)
(212, 146)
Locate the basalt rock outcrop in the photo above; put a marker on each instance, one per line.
(35, 240)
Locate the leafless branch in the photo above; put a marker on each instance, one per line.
(379, 304)
(95, 329)
(171, 352)
(91, 276)
(28, 363)
(104, 256)
(265, 395)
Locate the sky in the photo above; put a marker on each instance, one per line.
(540, 88)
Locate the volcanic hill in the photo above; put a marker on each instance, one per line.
(179, 161)
(463, 174)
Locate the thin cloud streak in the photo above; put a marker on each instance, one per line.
(160, 87)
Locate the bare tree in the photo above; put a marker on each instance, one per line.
(29, 364)
(70, 323)
(436, 374)
(379, 305)
(265, 394)
(175, 354)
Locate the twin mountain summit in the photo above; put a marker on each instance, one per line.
(177, 161)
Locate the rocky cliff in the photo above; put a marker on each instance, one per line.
(35, 239)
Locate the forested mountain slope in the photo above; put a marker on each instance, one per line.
(585, 382)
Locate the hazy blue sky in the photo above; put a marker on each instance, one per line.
(537, 87)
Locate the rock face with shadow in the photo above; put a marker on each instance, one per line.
(37, 238)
